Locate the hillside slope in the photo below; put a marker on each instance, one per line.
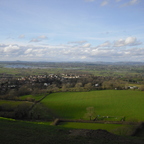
(16, 132)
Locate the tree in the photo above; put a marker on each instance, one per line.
(22, 110)
(112, 84)
(142, 88)
(64, 88)
(78, 86)
(88, 86)
(24, 90)
(53, 88)
(90, 113)
(12, 94)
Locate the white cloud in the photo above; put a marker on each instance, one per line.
(119, 43)
(129, 41)
(43, 37)
(134, 54)
(82, 50)
(83, 57)
(22, 36)
(105, 2)
(105, 44)
(35, 40)
(86, 45)
(28, 51)
(99, 52)
(39, 38)
(77, 42)
(11, 48)
(131, 2)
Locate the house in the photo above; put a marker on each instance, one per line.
(46, 84)
(96, 85)
(132, 87)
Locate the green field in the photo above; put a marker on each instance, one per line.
(93, 126)
(8, 104)
(26, 97)
(112, 103)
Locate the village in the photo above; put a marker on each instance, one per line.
(8, 82)
(60, 82)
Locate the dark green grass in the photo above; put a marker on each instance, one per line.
(118, 129)
(35, 97)
(117, 103)
(22, 132)
(13, 109)
(8, 104)
(18, 132)
(93, 126)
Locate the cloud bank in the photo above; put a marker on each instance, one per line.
(119, 50)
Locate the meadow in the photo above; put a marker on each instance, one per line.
(113, 104)
(110, 104)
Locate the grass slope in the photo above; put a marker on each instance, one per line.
(17, 132)
(20, 132)
(116, 103)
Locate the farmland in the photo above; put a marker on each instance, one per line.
(112, 103)
(81, 96)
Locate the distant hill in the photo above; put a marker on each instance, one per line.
(89, 63)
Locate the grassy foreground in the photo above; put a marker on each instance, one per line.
(18, 132)
(112, 103)
(21, 132)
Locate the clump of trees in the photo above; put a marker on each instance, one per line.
(26, 110)
(114, 84)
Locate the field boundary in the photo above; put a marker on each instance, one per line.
(36, 102)
(58, 121)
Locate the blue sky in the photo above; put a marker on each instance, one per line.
(72, 30)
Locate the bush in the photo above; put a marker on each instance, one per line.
(22, 110)
(39, 111)
(24, 90)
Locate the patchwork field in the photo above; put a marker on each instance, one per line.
(113, 104)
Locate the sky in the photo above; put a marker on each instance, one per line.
(72, 30)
